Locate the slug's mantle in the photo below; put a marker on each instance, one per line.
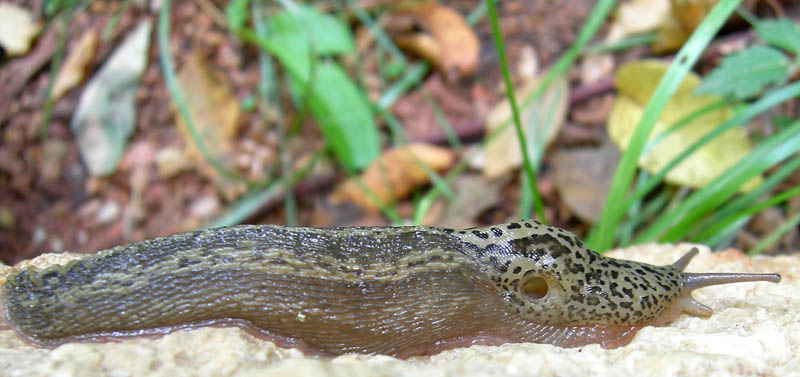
(751, 332)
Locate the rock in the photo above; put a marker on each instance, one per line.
(754, 331)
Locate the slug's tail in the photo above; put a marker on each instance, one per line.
(692, 281)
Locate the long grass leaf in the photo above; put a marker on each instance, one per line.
(773, 236)
(526, 160)
(741, 206)
(602, 236)
(766, 102)
(670, 226)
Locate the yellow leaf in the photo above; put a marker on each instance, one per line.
(544, 117)
(635, 83)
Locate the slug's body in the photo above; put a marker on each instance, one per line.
(396, 290)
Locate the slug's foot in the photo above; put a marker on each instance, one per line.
(448, 344)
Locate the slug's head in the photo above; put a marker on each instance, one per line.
(546, 275)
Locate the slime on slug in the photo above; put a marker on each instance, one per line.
(398, 291)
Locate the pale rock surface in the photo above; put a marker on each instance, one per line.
(755, 330)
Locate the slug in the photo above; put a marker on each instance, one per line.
(399, 291)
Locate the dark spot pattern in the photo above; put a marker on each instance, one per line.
(480, 234)
(589, 288)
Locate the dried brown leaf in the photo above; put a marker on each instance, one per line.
(474, 194)
(74, 69)
(541, 119)
(452, 46)
(394, 175)
(215, 115)
(582, 177)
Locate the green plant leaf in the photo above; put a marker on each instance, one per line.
(51, 7)
(780, 33)
(341, 110)
(236, 14)
(746, 72)
(603, 233)
(344, 116)
(295, 32)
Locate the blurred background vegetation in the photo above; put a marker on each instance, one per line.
(625, 122)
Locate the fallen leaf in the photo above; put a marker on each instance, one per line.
(680, 22)
(674, 21)
(670, 36)
(541, 121)
(215, 116)
(474, 194)
(212, 107)
(421, 44)
(595, 67)
(635, 83)
(328, 215)
(593, 111)
(636, 17)
(582, 177)
(394, 175)
(17, 29)
(416, 113)
(453, 47)
(169, 162)
(106, 114)
(74, 68)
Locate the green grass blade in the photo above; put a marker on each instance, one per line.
(773, 236)
(410, 79)
(672, 225)
(66, 17)
(683, 122)
(741, 206)
(726, 235)
(725, 222)
(441, 121)
(624, 44)
(768, 101)
(256, 198)
(501, 56)
(381, 38)
(177, 97)
(270, 100)
(602, 236)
